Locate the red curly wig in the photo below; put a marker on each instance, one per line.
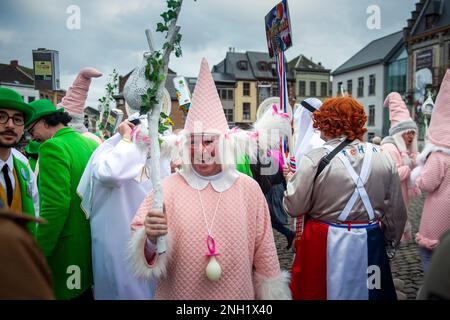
(341, 116)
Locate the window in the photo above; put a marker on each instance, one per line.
(360, 87)
(302, 88)
(242, 65)
(246, 111)
(339, 88)
(275, 90)
(229, 114)
(31, 99)
(246, 89)
(263, 66)
(350, 87)
(312, 89)
(430, 20)
(371, 85)
(230, 95)
(223, 94)
(371, 115)
(323, 89)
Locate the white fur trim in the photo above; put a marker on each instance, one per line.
(77, 123)
(138, 262)
(429, 148)
(422, 158)
(403, 126)
(414, 175)
(169, 145)
(273, 288)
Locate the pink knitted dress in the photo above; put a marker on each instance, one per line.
(243, 235)
(434, 176)
(435, 182)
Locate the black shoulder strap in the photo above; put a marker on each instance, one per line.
(307, 106)
(327, 159)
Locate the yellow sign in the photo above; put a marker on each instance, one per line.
(42, 68)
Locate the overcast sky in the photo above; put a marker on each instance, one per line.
(112, 31)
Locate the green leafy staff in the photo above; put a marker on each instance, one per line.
(156, 74)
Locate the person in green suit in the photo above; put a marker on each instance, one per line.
(66, 239)
(18, 189)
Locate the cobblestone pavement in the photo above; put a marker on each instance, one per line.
(405, 266)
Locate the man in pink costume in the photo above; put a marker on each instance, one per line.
(402, 146)
(75, 99)
(432, 176)
(213, 214)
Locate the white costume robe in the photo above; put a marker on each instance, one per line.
(112, 187)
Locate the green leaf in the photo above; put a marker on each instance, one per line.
(178, 39)
(178, 52)
(168, 46)
(173, 4)
(165, 16)
(172, 14)
(160, 27)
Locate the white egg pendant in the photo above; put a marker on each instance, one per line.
(213, 269)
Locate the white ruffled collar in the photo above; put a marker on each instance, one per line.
(220, 182)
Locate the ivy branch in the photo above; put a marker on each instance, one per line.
(105, 101)
(157, 62)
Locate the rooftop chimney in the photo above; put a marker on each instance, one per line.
(14, 63)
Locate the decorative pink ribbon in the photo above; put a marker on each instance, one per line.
(278, 112)
(211, 244)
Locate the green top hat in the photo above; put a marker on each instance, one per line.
(11, 99)
(42, 108)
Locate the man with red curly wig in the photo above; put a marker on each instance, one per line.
(349, 192)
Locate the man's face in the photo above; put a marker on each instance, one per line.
(11, 127)
(409, 138)
(203, 148)
(39, 130)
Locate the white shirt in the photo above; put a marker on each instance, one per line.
(10, 164)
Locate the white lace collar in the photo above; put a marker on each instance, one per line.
(220, 182)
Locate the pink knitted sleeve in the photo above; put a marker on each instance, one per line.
(432, 174)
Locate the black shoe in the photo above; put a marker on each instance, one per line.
(290, 239)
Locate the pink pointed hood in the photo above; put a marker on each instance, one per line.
(206, 112)
(75, 99)
(439, 131)
(398, 114)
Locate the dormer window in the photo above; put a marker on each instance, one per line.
(242, 65)
(263, 66)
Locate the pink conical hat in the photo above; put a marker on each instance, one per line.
(439, 131)
(398, 114)
(206, 111)
(76, 96)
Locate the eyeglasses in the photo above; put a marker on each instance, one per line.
(30, 128)
(17, 120)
